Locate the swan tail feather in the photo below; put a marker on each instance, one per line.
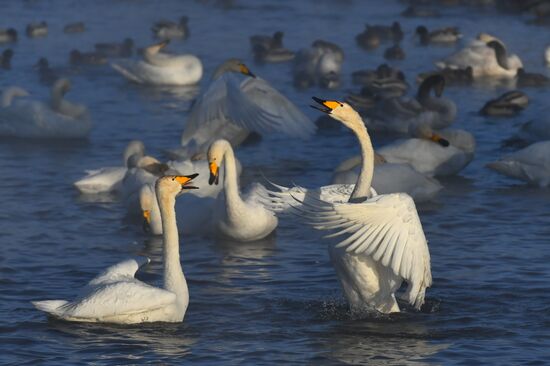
(53, 307)
(126, 73)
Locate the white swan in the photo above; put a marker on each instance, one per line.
(242, 219)
(158, 68)
(384, 241)
(390, 178)
(231, 107)
(320, 64)
(435, 154)
(116, 296)
(398, 114)
(34, 119)
(108, 179)
(486, 56)
(531, 164)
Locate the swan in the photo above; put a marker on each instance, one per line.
(508, 104)
(320, 64)
(108, 179)
(389, 178)
(37, 29)
(443, 35)
(232, 107)
(234, 217)
(8, 35)
(445, 152)
(531, 164)
(76, 27)
(167, 29)
(398, 114)
(159, 68)
(487, 57)
(58, 118)
(10, 94)
(384, 241)
(116, 296)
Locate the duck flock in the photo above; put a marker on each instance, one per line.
(368, 214)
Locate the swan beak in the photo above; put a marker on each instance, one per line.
(440, 140)
(329, 105)
(146, 220)
(214, 173)
(185, 180)
(246, 71)
(163, 44)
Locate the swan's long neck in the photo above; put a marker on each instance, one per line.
(56, 99)
(362, 188)
(174, 280)
(230, 181)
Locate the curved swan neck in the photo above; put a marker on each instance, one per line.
(500, 53)
(174, 280)
(230, 180)
(362, 188)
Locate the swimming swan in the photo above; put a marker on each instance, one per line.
(243, 219)
(116, 296)
(57, 118)
(159, 68)
(384, 241)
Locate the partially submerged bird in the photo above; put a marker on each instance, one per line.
(508, 104)
(77, 58)
(443, 35)
(76, 27)
(374, 34)
(384, 243)
(159, 68)
(123, 49)
(167, 29)
(116, 296)
(8, 35)
(529, 79)
(270, 48)
(38, 29)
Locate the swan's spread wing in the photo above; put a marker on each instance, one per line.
(116, 299)
(125, 270)
(386, 228)
(281, 114)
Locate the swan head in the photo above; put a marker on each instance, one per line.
(340, 111)
(155, 48)
(233, 65)
(174, 185)
(424, 131)
(486, 37)
(215, 156)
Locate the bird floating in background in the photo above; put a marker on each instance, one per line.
(123, 49)
(5, 59)
(8, 35)
(384, 242)
(167, 29)
(440, 36)
(158, 68)
(77, 58)
(116, 296)
(57, 118)
(270, 48)
(373, 35)
(321, 64)
(73, 28)
(508, 104)
(39, 29)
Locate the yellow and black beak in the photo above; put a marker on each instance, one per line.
(246, 71)
(146, 220)
(214, 173)
(440, 140)
(185, 181)
(329, 105)
(163, 44)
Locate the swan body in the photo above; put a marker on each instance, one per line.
(232, 107)
(109, 179)
(531, 164)
(161, 68)
(383, 244)
(235, 217)
(485, 59)
(320, 64)
(116, 296)
(57, 119)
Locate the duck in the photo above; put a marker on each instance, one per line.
(531, 164)
(486, 59)
(394, 52)
(270, 48)
(123, 49)
(433, 153)
(384, 81)
(389, 178)
(452, 76)
(116, 296)
(397, 114)
(374, 34)
(364, 100)
(5, 59)
(47, 75)
(383, 240)
(77, 58)
(320, 64)
(530, 79)
(8, 35)
(158, 68)
(109, 179)
(382, 72)
(76, 27)
(55, 119)
(232, 106)
(167, 29)
(38, 29)
(234, 217)
(508, 104)
(443, 35)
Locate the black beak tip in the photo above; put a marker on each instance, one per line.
(212, 179)
(192, 176)
(318, 100)
(444, 143)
